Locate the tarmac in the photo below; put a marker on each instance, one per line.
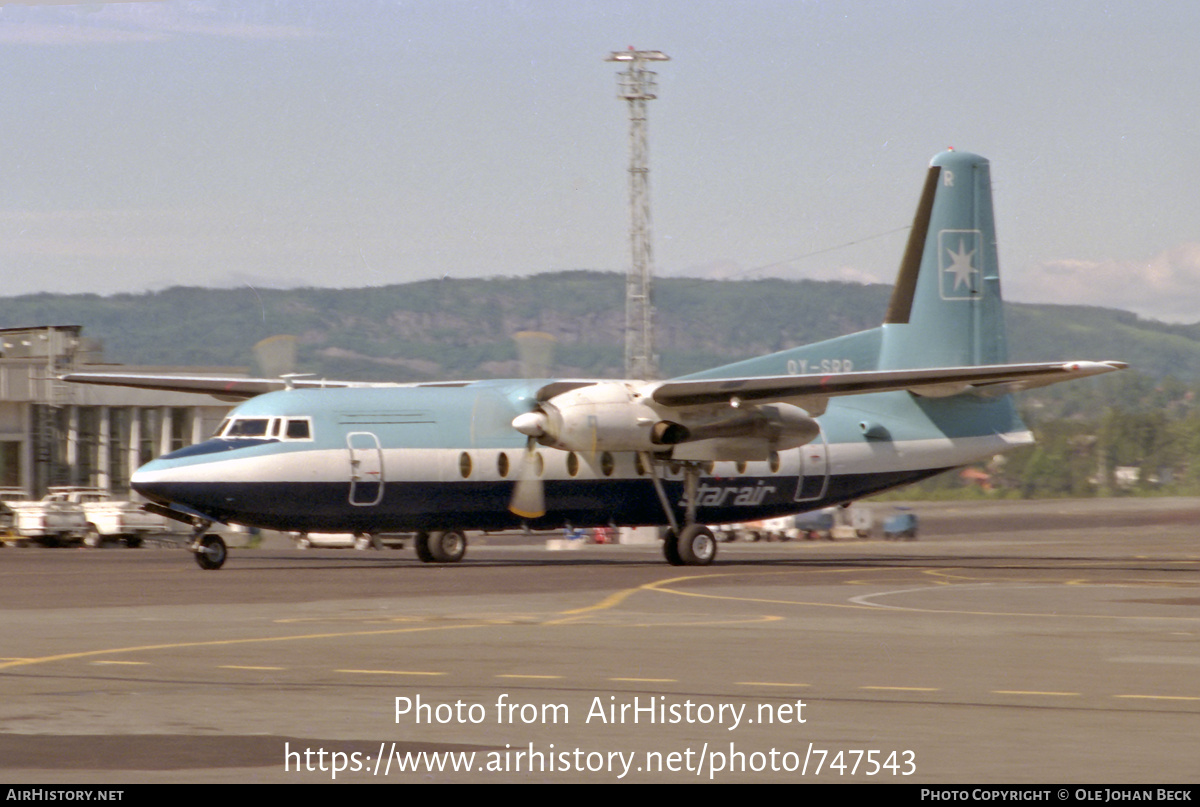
(1014, 642)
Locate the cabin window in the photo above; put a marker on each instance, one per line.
(572, 463)
(464, 464)
(741, 466)
(638, 465)
(502, 465)
(607, 463)
(774, 462)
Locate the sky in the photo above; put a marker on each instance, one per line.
(274, 144)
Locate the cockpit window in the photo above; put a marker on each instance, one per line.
(248, 427)
(295, 428)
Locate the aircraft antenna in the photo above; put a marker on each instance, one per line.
(637, 86)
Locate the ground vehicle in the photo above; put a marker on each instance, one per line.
(831, 523)
(346, 540)
(902, 526)
(852, 521)
(816, 524)
(8, 515)
(50, 521)
(107, 519)
(771, 529)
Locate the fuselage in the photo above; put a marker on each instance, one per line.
(429, 457)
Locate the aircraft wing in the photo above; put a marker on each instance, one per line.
(226, 388)
(941, 382)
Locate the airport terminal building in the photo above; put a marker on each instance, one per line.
(56, 433)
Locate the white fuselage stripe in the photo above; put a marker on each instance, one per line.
(444, 465)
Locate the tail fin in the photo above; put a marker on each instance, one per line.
(945, 310)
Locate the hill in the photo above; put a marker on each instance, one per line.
(462, 328)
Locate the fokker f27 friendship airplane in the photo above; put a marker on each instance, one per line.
(792, 431)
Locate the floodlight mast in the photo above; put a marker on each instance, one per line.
(637, 86)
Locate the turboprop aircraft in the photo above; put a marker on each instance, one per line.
(805, 428)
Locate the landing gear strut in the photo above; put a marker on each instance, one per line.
(694, 544)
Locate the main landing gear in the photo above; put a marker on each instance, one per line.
(441, 546)
(694, 544)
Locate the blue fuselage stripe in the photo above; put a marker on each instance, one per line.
(408, 506)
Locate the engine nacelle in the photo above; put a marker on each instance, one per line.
(616, 417)
(781, 425)
(600, 417)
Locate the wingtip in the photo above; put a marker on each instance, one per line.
(1090, 367)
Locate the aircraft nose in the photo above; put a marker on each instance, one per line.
(169, 477)
(147, 481)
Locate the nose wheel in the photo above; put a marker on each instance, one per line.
(210, 552)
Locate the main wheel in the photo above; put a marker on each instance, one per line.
(211, 553)
(671, 548)
(696, 547)
(421, 542)
(92, 537)
(447, 547)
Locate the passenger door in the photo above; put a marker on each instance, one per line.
(366, 469)
(814, 470)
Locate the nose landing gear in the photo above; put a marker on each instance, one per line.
(208, 550)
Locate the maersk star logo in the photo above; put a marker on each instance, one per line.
(959, 263)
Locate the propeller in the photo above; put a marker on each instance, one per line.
(529, 498)
(535, 350)
(536, 353)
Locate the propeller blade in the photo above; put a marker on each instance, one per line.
(535, 350)
(529, 498)
(276, 355)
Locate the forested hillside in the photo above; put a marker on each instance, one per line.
(1135, 431)
(462, 328)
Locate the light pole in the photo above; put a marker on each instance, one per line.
(637, 86)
